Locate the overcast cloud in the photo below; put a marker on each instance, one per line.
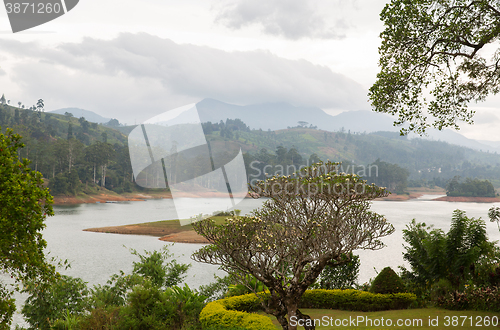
(292, 19)
(150, 74)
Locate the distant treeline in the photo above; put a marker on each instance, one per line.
(470, 188)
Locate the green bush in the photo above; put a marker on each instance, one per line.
(355, 300)
(220, 314)
(440, 289)
(147, 308)
(187, 305)
(51, 301)
(101, 319)
(387, 282)
(232, 312)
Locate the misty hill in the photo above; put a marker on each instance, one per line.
(275, 116)
(88, 115)
(428, 162)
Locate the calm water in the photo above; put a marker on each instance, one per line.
(96, 256)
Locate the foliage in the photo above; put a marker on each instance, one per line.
(356, 300)
(113, 293)
(471, 187)
(475, 298)
(387, 281)
(494, 215)
(455, 256)
(251, 285)
(432, 47)
(389, 175)
(24, 205)
(311, 220)
(51, 301)
(187, 305)
(149, 307)
(157, 267)
(225, 313)
(217, 290)
(341, 277)
(7, 308)
(234, 311)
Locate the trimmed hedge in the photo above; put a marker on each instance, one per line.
(232, 312)
(355, 300)
(224, 313)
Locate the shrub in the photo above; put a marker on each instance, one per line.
(483, 299)
(440, 289)
(51, 301)
(387, 282)
(100, 319)
(220, 313)
(231, 312)
(355, 300)
(151, 308)
(187, 305)
(147, 308)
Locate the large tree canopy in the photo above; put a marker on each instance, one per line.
(24, 205)
(313, 219)
(433, 62)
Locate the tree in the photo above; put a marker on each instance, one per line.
(432, 47)
(40, 105)
(312, 219)
(2, 99)
(455, 256)
(24, 205)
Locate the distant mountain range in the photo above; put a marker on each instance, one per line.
(276, 116)
(88, 115)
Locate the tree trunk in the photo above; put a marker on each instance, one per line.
(295, 317)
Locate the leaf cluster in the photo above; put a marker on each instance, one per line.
(430, 61)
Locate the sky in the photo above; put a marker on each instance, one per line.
(132, 60)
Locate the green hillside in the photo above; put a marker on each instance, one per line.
(74, 153)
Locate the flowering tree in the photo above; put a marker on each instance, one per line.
(312, 219)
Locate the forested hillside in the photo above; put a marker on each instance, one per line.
(72, 153)
(76, 155)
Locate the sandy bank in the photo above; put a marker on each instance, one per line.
(397, 198)
(468, 199)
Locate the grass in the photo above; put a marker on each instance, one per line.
(421, 317)
(175, 224)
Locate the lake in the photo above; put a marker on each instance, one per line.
(96, 256)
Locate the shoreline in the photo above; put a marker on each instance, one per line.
(109, 196)
(463, 199)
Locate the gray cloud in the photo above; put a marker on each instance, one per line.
(142, 72)
(292, 19)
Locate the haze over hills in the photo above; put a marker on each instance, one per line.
(88, 115)
(276, 116)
